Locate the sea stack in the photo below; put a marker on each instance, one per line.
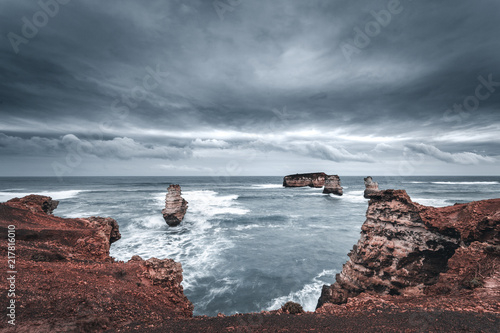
(332, 185)
(175, 206)
(315, 179)
(371, 187)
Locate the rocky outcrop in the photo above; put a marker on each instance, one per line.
(371, 187)
(175, 206)
(332, 185)
(66, 280)
(407, 248)
(36, 203)
(316, 179)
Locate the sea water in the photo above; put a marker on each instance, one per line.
(246, 244)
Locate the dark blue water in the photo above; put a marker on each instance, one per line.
(246, 244)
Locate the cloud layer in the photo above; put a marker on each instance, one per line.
(180, 81)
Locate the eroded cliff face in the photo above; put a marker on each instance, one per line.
(315, 179)
(407, 248)
(67, 281)
(175, 206)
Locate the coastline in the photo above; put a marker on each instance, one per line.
(460, 306)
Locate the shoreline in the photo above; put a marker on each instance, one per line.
(29, 215)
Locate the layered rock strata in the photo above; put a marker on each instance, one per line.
(175, 206)
(66, 280)
(371, 187)
(315, 179)
(332, 185)
(407, 248)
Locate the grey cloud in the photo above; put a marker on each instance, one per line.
(320, 150)
(382, 147)
(230, 75)
(459, 158)
(118, 148)
(313, 149)
(185, 168)
(209, 143)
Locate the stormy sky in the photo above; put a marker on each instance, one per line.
(249, 87)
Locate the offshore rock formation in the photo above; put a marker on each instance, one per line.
(66, 280)
(315, 179)
(332, 185)
(410, 249)
(175, 206)
(370, 187)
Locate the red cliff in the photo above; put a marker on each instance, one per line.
(66, 280)
(412, 250)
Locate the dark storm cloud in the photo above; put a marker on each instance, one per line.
(159, 75)
(117, 148)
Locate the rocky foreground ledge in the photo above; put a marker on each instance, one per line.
(67, 282)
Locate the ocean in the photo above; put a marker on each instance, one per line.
(246, 243)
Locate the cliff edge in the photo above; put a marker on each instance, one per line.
(66, 280)
(410, 250)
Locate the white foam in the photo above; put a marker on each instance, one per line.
(75, 214)
(210, 203)
(56, 195)
(197, 243)
(264, 186)
(307, 296)
(466, 183)
(155, 221)
(351, 196)
(198, 249)
(247, 227)
(432, 202)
